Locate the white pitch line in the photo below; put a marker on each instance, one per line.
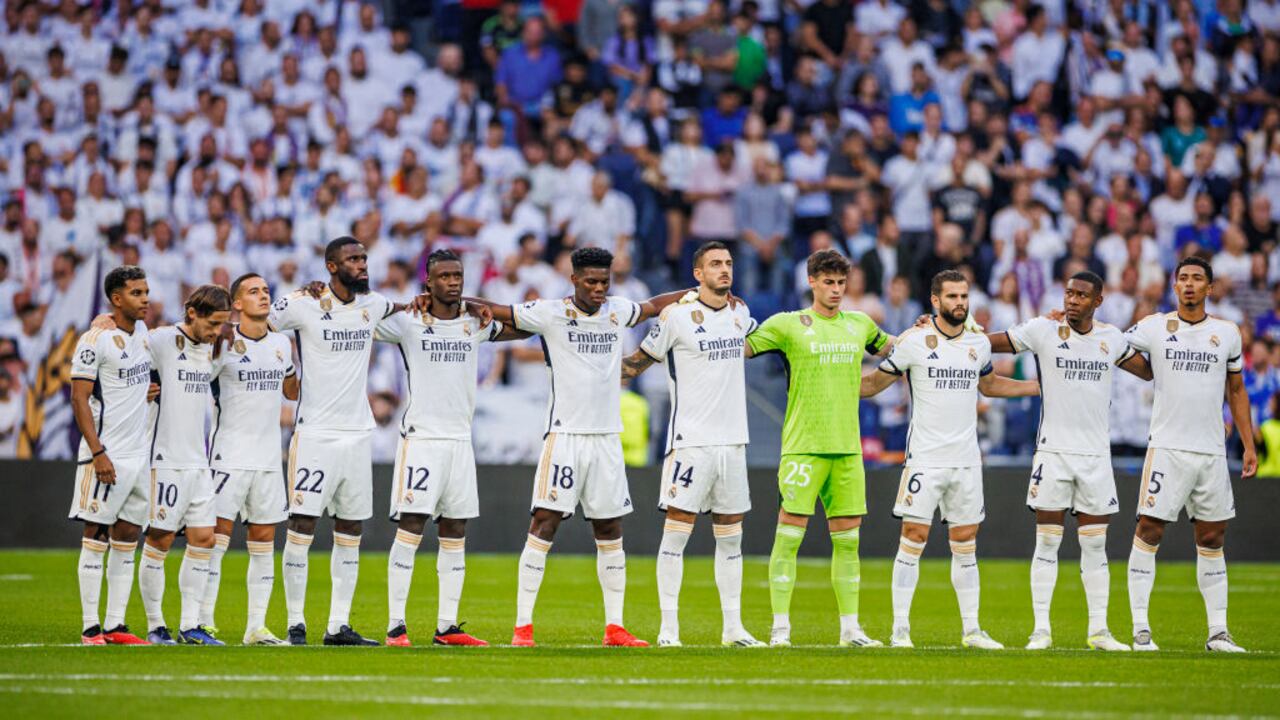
(592, 704)
(16, 576)
(614, 681)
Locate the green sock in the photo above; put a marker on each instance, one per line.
(846, 570)
(782, 567)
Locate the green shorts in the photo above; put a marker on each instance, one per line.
(838, 480)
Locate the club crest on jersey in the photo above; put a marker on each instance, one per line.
(87, 356)
(408, 497)
(364, 315)
(1103, 347)
(93, 506)
(973, 355)
(1213, 340)
(466, 329)
(551, 496)
(160, 513)
(180, 341)
(326, 304)
(737, 324)
(1064, 332)
(297, 498)
(805, 320)
(1172, 325)
(238, 346)
(931, 341)
(119, 341)
(613, 318)
(279, 356)
(697, 317)
(1034, 491)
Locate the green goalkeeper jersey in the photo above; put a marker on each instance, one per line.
(824, 370)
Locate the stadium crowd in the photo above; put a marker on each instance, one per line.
(1020, 141)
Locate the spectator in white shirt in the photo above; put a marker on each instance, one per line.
(1037, 53)
(606, 219)
(416, 210)
(501, 162)
(901, 53)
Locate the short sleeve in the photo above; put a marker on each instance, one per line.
(660, 338)
(533, 316)
(876, 338)
(1235, 355)
(749, 323)
(491, 333)
(1024, 336)
(900, 358)
(770, 336)
(391, 329)
(286, 351)
(628, 311)
(84, 366)
(284, 313)
(1137, 337)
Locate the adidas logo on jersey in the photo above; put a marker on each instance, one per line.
(159, 458)
(218, 456)
(1064, 346)
(699, 330)
(1171, 338)
(557, 423)
(573, 322)
(679, 437)
(1113, 503)
(124, 356)
(428, 330)
(326, 316)
(932, 356)
(244, 360)
(182, 356)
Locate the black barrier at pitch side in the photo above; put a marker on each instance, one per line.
(38, 493)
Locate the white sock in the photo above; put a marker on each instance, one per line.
(400, 560)
(964, 578)
(849, 626)
(729, 575)
(260, 579)
(1044, 572)
(92, 554)
(344, 569)
(294, 569)
(451, 571)
(192, 576)
(611, 568)
(210, 601)
(533, 565)
(119, 582)
(906, 574)
(1095, 574)
(1142, 577)
(1211, 576)
(675, 535)
(151, 584)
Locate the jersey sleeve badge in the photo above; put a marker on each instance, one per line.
(88, 356)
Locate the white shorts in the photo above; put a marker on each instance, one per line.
(257, 496)
(585, 469)
(126, 499)
(436, 478)
(1177, 479)
(1067, 481)
(331, 471)
(710, 478)
(956, 493)
(181, 498)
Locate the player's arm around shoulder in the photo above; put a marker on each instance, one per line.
(656, 344)
(895, 364)
(770, 335)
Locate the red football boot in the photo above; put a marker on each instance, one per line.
(617, 636)
(523, 636)
(456, 636)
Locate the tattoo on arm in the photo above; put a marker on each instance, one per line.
(635, 364)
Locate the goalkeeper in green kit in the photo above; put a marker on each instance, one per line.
(822, 348)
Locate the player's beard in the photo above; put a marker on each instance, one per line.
(357, 285)
(956, 315)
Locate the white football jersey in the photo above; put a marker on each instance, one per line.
(185, 368)
(1075, 374)
(440, 358)
(248, 391)
(942, 377)
(584, 358)
(1190, 363)
(334, 341)
(702, 348)
(119, 364)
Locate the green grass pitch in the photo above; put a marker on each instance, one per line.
(570, 676)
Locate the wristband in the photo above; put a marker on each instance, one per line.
(103, 451)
